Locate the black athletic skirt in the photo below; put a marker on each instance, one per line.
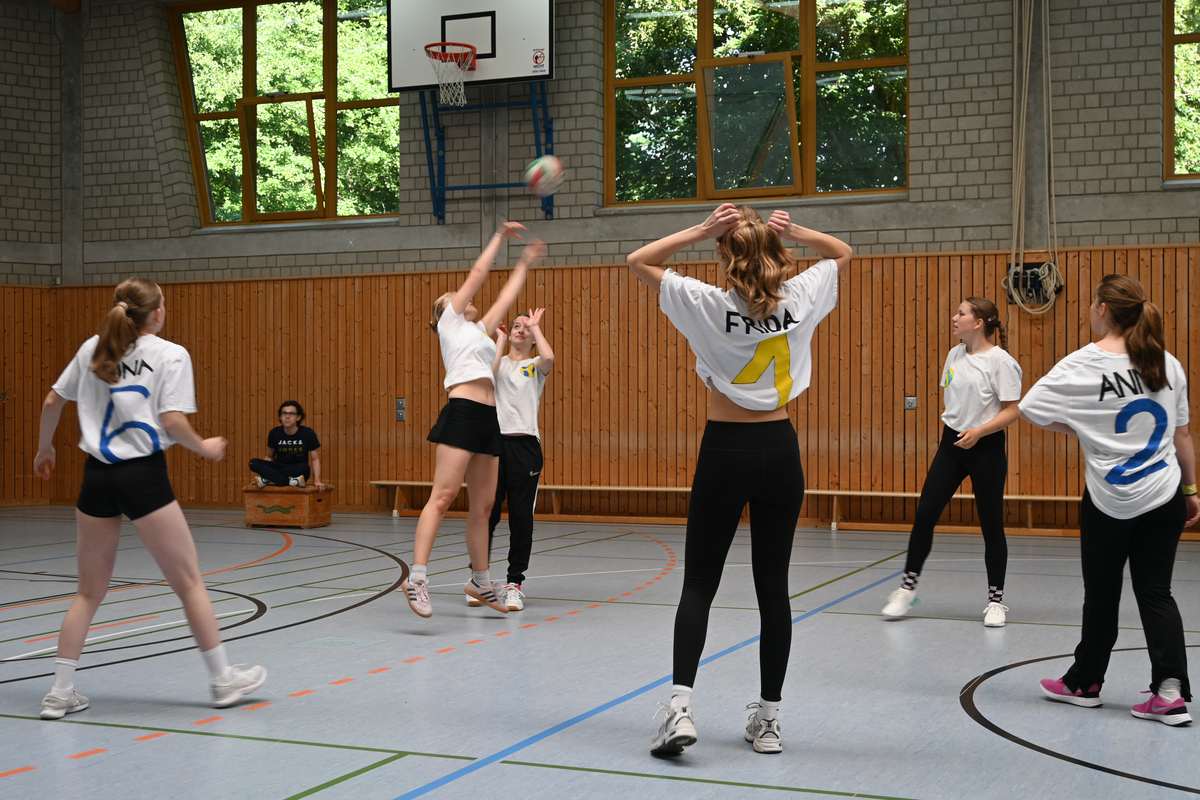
(134, 488)
(468, 425)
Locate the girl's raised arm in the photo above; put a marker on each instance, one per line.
(478, 273)
(512, 287)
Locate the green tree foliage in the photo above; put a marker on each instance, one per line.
(861, 129)
(1187, 109)
(656, 143)
(848, 30)
(655, 37)
(749, 26)
(290, 61)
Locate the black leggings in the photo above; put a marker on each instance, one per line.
(987, 465)
(521, 464)
(1148, 542)
(277, 472)
(739, 463)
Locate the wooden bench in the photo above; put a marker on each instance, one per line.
(556, 491)
(287, 506)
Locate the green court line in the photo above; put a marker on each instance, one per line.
(709, 781)
(346, 777)
(847, 575)
(358, 748)
(975, 621)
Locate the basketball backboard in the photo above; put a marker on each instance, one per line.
(513, 40)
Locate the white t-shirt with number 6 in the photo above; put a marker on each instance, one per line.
(122, 421)
(758, 364)
(1127, 432)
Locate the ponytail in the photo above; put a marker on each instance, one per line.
(134, 300)
(755, 262)
(986, 310)
(439, 308)
(1140, 322)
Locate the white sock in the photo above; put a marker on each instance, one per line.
(218, 664)
(768, 709)
(681, 696)
(1169, 689)
(484, 578)
(418, 573)
(64, 676)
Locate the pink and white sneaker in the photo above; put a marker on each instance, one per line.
(1055, 689)
(1173, 713)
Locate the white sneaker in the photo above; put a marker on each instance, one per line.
(900, 602)
(675, 733)
(487, 594)
(297, 481)
(417, 593)
(512, 595)
(993, 615)
(260, 481)
(497, 588)
(763, 732)
(55, 707)
(241, 683)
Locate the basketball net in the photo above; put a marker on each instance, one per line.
(451, 61)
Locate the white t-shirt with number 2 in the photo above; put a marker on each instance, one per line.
(1127, 432)
(758, 364)
(123, 420)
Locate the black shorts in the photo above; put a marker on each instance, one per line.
(134, 488)
(468, 425)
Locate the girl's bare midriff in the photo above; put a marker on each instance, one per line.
(725, 410)
(481, 390)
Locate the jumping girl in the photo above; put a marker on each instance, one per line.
(982, 385)
(467, 432)
(752, 347)
(1125, 397)
(132, 390)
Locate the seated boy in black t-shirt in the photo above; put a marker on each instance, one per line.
(290, 445)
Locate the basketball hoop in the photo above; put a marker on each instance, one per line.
(451, 61)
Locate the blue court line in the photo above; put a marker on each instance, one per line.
(508, 751)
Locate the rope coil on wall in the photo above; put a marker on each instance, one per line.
(1025, 286)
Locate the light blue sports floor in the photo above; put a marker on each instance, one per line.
(366, 700)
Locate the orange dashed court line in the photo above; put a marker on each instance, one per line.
(148, 738)
(98, 627)
(301, 694)
(447, 650)
(88, 753)
(475, 641)
(576, 611)
(502, 633)
(550, 619)
(206, 721)
(256, 705)
(595, 606)
(339, 683)
(611, 600)
(418, 658)
(377, 671)
(16, 771)
(530, 625)
(626, 594)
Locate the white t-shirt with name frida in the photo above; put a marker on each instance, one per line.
(977, 385)
(1126, 432)
(758, 364)
(123, 420)
(467, 350)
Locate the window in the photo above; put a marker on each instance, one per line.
(1182, 146)
(286, 107)
(730, 99)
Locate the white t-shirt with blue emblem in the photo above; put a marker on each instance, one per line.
(519, 386)
(975, 386)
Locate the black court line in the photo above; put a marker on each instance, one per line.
(372, 598)
(966, 698)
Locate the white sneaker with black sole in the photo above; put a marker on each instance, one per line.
(676, 732)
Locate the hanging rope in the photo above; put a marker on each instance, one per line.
(1048, 278)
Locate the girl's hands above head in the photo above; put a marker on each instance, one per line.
(533, 251)
(535, 316)
(779, 222)
(510, 230)
(501, 333)
(723, 217)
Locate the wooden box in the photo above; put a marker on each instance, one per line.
(287, 506)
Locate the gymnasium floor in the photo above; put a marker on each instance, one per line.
(366, 700)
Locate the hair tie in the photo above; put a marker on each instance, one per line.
(123, 305)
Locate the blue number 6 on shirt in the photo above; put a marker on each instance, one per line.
(107, 436)
(1129, 472)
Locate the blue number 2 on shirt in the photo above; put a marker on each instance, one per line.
(1129, 472)
(107, 436)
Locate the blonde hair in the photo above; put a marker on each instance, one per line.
(756, 262)
(134, 300)
(439, 308)
(1141, 323)
(984, 309)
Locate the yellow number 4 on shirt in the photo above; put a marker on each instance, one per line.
(774, 349)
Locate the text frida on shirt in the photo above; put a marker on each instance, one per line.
(769, 325)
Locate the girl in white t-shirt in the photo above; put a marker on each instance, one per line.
(132, 390)
(1125, 397)
(753, 351)
(520, 379)
(982, 384)
(467, 432)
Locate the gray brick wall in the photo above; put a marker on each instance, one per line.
(29, 188)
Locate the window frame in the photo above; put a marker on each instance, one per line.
(1170, 40)
(804, 149)
(327, 195)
